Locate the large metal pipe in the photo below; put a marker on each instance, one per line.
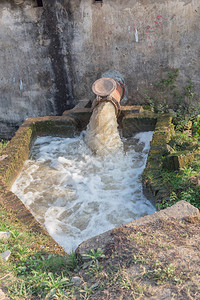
(108, 90)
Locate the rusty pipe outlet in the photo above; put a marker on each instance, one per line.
(108, 90)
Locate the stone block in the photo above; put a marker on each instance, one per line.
(175, 162)
(81, 115)
(132, 123)
(5, 235)
(5, 255)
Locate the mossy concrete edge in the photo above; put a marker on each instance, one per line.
(16, 153)
(163, 132)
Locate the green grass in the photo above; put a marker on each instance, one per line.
(180, 185)
(3, 144)
(32, 269)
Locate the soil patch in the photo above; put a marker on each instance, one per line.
(157, 260)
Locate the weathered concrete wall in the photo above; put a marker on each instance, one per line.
(51, 55)
(143, 39)
(35, 80)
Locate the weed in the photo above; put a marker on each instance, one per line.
(16, 234)
(126, 283)
(169, 82)
(196, 127)
(165, 86)
(132, 237)
(192, 195)
(162, 274)
(87, 291)
(138, 258)
(94, 255)
(3, 144)
(166, 246)
(185, 105)
(74, 262)
(180, 185)
(94, 268)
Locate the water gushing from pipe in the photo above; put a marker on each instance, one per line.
(102, 135)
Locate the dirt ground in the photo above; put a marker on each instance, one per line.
(157, 260)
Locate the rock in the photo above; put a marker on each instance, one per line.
(188, 125)
(19, 1)
(4, 235)
(195, 180)
(76, 280)
(177, 161)
(162, 294)
(167, 149)
(5, 255)
(2, 295)
(2, 157)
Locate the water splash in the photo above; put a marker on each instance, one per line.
(102, 135)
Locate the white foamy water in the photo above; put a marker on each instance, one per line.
(78, 195)
(102, 135)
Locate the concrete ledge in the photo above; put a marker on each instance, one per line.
(180, 210)
(18, 149)
(176, 161)
(12, 204)
(14, 156)
(137, 122)
(81, 115)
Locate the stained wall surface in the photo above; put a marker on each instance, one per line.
(51, 55)
(144, 39)
(34, 78)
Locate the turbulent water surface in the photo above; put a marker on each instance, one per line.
(76, 194)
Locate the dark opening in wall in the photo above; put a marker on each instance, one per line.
(98, 1)
(39, 3)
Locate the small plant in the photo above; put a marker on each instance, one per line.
(74, 262)
(87, 291)
(94, 268)
(196, 127)
(172, 200)
(3, 144)
(94, 255)
(184, 105)
(16, 234)
(53, 284)
(126, 283)
(162, 274)
(138, 258)
(165, 89)
(192, 196)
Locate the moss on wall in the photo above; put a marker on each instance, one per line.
(134, 122)
(151, 183)
(14, 156)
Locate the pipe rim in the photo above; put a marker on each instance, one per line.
(104, 86)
